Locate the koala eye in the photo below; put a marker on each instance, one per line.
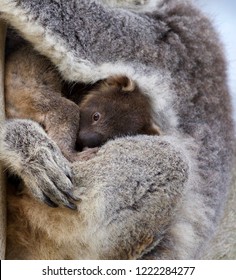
(96, 116)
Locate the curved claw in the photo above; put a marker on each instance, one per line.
(49, 202)
(71, 206)
(71, 195)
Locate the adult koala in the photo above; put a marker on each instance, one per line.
(141, 197)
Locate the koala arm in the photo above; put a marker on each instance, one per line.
(132, 212)
(86, 55)
(27, 152)
(175, 55)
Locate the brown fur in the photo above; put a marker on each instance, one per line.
(36, 231)
(120, 108)
(174, 53)
(33, 91)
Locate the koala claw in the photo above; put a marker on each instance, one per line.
(38, 161)
(48, 201)
(47, 175)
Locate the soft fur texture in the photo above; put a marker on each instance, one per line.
(142, 197)
(137, 213)
(2, 119)
(33, 90)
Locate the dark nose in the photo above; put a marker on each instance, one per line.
(89, 139)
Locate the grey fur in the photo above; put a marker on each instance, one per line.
(39, 162)
(175, 41)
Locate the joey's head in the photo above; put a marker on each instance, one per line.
(115, 107)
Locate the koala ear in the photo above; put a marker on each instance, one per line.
(128, 84)
(121, 81)
(153, 129)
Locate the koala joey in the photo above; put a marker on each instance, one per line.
(114, 107)
(175, 54)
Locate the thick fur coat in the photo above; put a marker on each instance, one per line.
(158, 197)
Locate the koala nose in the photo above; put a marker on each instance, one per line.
(89, 139)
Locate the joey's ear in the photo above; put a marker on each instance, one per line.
(121, 81)
(153, 129)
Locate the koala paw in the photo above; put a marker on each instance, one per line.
(87, 154)
(47, 175)
(29, 153)
(83, 156)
